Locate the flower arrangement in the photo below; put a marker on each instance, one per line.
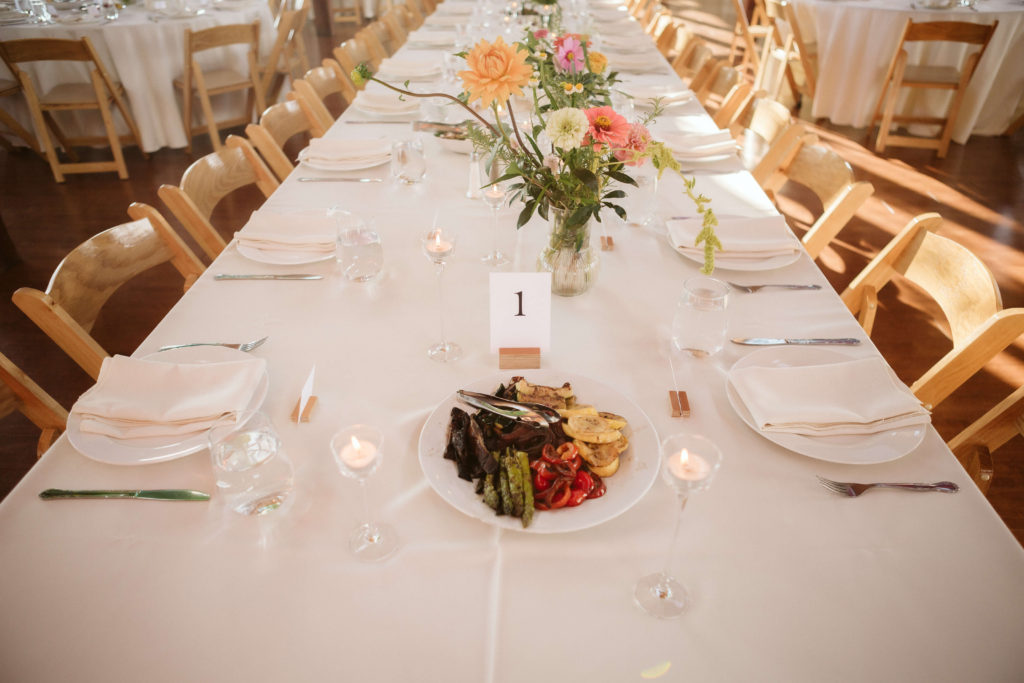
(570, 164)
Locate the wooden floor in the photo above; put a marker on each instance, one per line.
(979, 189)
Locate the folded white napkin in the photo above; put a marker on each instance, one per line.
(327, 151)
(642, 93)
(851, 397)
(302, 232)
(438, 38)
(742, 239)
(386, 102)
(135, 398)
(408, 69)
(694, 146)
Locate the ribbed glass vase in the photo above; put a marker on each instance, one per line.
(568, 257)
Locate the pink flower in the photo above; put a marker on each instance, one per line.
(540, 34)
(607, 127)
(569, 56)
(636, 143)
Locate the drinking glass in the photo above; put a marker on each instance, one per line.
(700, 323)
(494, 196)
(252, 470)
(408, 165)
(688, 464)
(438, 246)
(359, 253)
(357, 450)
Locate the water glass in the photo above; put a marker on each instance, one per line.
(701, 321)
(253, 472)
(451, 65)
(408, 164)
(110, 11)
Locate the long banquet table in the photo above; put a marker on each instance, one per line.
(790, 582)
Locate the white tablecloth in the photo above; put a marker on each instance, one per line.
(857, 39)
(789, 581)
(145, 56)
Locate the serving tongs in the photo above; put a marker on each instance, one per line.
(534, 413)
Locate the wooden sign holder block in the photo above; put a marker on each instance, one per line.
(519, 358)
(607, 243)
(305, 413)
(680, 403)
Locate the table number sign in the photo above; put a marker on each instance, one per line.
(520, 318)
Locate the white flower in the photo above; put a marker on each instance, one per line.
(567, 127)
(551, 161)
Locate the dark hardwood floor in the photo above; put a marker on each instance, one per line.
(979, 189)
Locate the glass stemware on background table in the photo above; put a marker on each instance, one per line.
(689, 462)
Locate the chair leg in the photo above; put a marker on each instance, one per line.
(204, 104)
(890, 102)
(18, 130)
(51, 123)
(186, 106)
(48, 148)
(128, 119)
(103, 101)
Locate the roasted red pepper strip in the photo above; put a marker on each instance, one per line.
(561, 496)
(567, 451)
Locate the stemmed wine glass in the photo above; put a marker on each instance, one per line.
(438, 246)
(688, 464)
(357, 450)
(494, 196)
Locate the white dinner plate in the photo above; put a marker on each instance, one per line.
(849, 449)
(342, 166)
(78, 19)
(282, 257)
(726, 263)
(637, 471)
(151, 450)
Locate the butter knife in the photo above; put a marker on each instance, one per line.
(140, 494)
(768, 341)
(254, 276)
(340, 180)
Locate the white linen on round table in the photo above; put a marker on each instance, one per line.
(857, 39)
(145, 56)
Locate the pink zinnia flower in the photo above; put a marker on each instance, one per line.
(636, 143)
(569, 56)
(606, 127)
(541, 33)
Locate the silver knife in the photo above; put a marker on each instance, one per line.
(251, 276)
(768, 341)
(341, 180)
(151, 494)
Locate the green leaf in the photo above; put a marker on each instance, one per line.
(619, 211)
(622, 178)
(526, 214)
(615, 194)
(580, 216)
(587, 178)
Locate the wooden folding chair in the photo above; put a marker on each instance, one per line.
(19, 392)
(197, 82)
(767, 132)
(397, 22)
(98, 94)
(285, 57)
(745, 36)
(690, 62)
(786, 44)
(354, 52)
(347, 12)
(734, 104)
(974, 445)
(903, 75)
(712, 90)
(280, 123)
(93, 271)
(830, 178)
(377, 41)
(9, 89)
(660, 20)
(313, 91)
(960, 284)
(209, 180)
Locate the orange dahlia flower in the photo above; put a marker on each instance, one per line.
(496, 71)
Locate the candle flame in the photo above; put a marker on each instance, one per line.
(684, 457)
(437, 238)
(355, 444)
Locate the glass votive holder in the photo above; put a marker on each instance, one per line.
(360, 254)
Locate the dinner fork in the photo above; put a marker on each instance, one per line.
(854, 490)
(750, 289)
(244, 346)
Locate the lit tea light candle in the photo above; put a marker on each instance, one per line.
(688, 466)
(358, 454)
(438, 247)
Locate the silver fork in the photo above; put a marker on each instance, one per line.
(244, 346)
(750, 289)
(854, 490)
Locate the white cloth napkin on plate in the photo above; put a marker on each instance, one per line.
(742, 238)
(411, 69)
(641, 94)
(136, 398)
(302, 232)
(437, 38)
(327, 151)
(385, 101)
(851, 397)
(693, 146)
